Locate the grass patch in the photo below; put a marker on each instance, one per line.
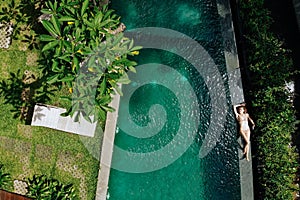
(11, 163)
(8, 126)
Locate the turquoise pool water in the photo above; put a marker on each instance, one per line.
(167, 110)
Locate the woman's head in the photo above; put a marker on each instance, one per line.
(242, 109)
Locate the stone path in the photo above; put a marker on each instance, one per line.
(67, 162)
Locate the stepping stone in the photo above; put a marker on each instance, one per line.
(7, 143)
(6, 31)
(25, 130)
(32, 59)
(20, 187)
(22, 147)
(43, 152)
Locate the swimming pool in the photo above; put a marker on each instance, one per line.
(178, 98)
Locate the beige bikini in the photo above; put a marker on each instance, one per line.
(243, 122)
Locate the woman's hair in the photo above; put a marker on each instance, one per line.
(245, 109)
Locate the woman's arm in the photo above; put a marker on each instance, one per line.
(252, 122)
(235, 110)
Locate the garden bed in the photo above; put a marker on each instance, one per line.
(76, 50)
(267, 68)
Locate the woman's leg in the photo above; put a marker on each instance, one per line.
(246, 136)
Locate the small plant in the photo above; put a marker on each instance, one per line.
(5, 179)
(42, 188)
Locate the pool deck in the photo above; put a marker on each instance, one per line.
(236, 91)
(107, 150)
(107, 146)
(237, 96)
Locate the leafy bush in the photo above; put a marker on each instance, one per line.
(85, 44)
(43, 188)
(84, 50)
(271, 67)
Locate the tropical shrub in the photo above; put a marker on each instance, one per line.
(43, 188)
(84, 50)
(270, 68)
(85, 44)
(100, 76)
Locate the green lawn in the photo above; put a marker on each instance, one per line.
(27, 150)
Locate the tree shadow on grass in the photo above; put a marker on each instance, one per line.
(23, 91)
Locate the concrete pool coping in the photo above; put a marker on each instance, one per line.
(107, 149)
(237, 96)
(236, 90)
